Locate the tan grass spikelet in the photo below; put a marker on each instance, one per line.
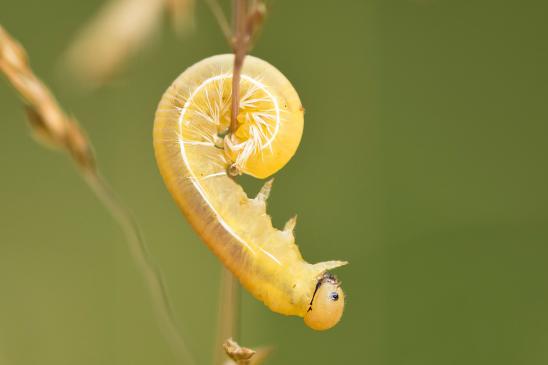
(181, 13)
(244, 356)
(120, 30)
(48, 121)
(52, 126)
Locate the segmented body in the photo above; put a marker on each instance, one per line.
(194, 156)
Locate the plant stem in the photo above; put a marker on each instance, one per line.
(51, 124)
(219, 15)
(228, 313)
(240, 44)
(139, 252)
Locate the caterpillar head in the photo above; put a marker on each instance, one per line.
(327, 305)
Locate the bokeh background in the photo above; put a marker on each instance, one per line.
(423, 163)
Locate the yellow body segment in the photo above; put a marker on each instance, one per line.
(194, 152)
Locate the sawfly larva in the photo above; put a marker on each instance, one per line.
(197, 154)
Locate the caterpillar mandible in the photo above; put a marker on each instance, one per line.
(195, 152)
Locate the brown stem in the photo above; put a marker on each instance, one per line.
(246, 20)
(153, 279)
(236, 75)
(227, 326)
(239, 47)
(219, 15)
(51, 124)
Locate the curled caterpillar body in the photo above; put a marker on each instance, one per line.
(194, 151)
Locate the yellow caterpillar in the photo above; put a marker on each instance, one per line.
(196, 155)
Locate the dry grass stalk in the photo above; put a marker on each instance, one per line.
(247, 20)
(115, 34)
(240, 355)
(52, 125)
(228, 313)
(244, 356)
(48, 121)
(219, 15)
(118, 32)
(181, 13)
(246, 23)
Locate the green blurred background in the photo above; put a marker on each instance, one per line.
(423, 163)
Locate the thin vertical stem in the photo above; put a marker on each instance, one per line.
(228, 313)
(50, 123)
(217, 12)
(245, 22)
(139, 252)
(239, 46)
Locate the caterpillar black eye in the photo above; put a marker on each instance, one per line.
(327, 306)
